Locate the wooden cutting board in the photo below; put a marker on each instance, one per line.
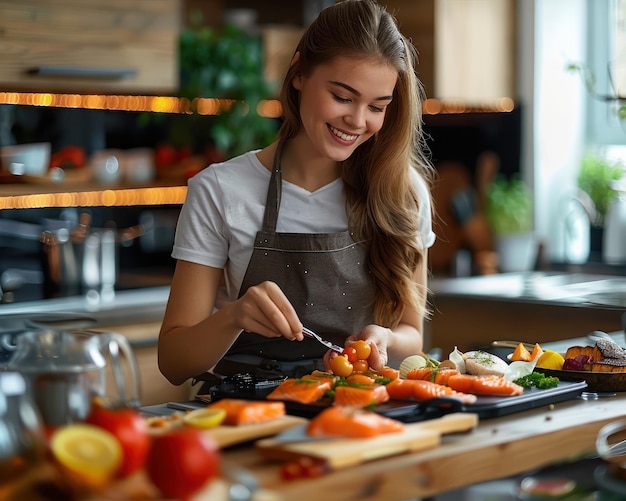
(231, 435)
(344, 452)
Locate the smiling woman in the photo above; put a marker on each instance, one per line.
(328, 226)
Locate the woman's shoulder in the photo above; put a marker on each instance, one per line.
(244, 167)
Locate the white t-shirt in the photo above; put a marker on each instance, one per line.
(224, 210)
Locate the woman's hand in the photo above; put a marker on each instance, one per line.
(264, 309)
(377, 337)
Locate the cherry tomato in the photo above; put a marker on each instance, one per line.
(129, 428)
(182, 461)
(363, 349)
(304, 467)
(360, 366)
(350, 352)
(341, 366)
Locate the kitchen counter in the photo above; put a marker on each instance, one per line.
(497, 448)
(531, 307)
(126, 306)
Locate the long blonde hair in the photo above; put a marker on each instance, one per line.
(382, 203)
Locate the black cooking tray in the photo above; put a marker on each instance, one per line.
(405, 411)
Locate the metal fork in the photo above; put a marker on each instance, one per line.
(328, 344)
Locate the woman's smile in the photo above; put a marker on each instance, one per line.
(342, 137)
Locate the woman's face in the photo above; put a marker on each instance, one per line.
(343, 103)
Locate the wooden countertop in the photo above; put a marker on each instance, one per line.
(497, 448)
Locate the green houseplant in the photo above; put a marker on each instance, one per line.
(225, 64)
(509, 206)
(509, 213)
(595, 178)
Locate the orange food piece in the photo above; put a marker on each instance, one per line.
(248, 411)
(389, 373)
(301, 390)
(420, 390)
(359, 379)
(433, 374)
(484, 385)
(351, 422)
(537, 351)
(521, 354)
(360, 396)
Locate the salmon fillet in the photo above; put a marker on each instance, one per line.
(301, 390)
(433, 374)
(484, 385)
(351, 422)
(361, 396)
(240, 412)
(420, 390)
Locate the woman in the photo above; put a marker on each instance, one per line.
(327, 227)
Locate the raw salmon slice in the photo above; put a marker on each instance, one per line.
(300, 390)
(433, 374)
(240, 412)
(484, 385)
(360, 396)
(420, 390)
(351, 422)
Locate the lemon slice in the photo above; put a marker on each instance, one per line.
(89, 454)
(550, 360)
(205, 418)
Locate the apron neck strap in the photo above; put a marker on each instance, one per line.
(274, 191)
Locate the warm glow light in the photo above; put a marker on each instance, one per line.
(171, 195)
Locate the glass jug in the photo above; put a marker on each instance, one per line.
(66, 370)
(22, 444)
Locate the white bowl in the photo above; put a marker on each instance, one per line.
(26, 159)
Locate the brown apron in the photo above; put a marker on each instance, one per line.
(325, 277)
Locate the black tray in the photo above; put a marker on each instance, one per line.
(408, 412)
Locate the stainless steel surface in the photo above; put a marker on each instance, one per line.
(328, 344)
(573, 289)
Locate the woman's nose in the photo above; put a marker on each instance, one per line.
(356, 117)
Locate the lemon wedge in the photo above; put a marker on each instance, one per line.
(89, 455)
(204, 418)
(550, 360)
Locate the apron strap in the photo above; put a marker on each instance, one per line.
(274, 192)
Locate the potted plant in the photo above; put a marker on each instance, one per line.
(595, 177)
(227, 64)
(509, 214)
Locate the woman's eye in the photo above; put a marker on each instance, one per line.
(341, 99)
(377, 109)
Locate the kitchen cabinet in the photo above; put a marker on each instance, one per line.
(466, 47)
(112, 46)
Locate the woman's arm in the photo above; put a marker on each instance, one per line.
(194, 337)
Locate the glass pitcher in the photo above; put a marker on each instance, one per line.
(22, 443)
(66, 370)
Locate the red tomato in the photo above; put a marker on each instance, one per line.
(341, 366)
(360, 366)
(363, 349)
(129, 428)
(182, 461)
(350, 352)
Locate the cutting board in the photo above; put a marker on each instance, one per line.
(344, 452)
(231, 435)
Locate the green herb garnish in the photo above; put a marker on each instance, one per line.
(537, 379)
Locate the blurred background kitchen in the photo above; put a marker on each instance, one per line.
(107, 108)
